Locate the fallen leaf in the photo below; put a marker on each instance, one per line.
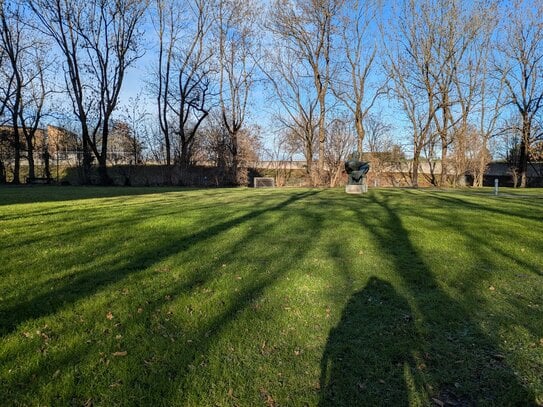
(268, 399)
(492, 288)
(122, 353)
(438, 402)
(109, 315)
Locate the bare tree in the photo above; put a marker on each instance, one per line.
(380, 149)
(168, 33)
(297, 107)
(521, 64)
(13, 46)
(300, 135)
(25, 89)
(408, 63)
(355, 82)
(5, 92)
(307, 27)
(5, 84)
(457, 27)
(184, 73)
(136, 117)
(235, 29)
(214, 146)
(282, 155)
(99, 41)
(378, 138)
(35, 93)
(489, 105)
(340, 143)
(436, 56)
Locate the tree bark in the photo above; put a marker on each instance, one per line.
(30, 158)
(2, 173)
(361, 134)
(16, 156)
(415, 170)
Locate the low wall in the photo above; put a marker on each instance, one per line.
(153, 175)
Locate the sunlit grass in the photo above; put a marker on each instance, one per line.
(125, 296)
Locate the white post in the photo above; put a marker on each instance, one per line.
(496, 186)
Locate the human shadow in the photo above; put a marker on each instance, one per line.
(413, 344)
(370, 353)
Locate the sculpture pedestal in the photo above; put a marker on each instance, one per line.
(356, 189)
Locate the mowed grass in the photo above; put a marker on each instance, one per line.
(242, 297)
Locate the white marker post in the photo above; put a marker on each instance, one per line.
(496, 186)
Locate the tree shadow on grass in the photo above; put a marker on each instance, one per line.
(163, 351)
(413, 343)
(87, 283)
(528, 217)
(27, 194)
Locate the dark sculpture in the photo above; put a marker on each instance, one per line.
(357, 171)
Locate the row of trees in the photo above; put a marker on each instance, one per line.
(454, 74)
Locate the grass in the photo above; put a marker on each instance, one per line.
(238, 297)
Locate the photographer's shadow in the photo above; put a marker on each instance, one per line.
(371, 357)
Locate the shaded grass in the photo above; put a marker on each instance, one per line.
(126, 296)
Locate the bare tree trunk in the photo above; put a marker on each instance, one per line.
(322, 136)
(444, 177)
(523, 163)
(235, 158)
(102, 158)
(99, 41)
(30, 158)
(2, 173)
(46, 162)
(16, 155)
(522, 55)
(361, 134)
(86, 159)
(415, 170)
(309, 161)
(235, 28)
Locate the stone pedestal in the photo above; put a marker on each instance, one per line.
(356, 189)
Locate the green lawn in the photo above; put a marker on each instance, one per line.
(293, 297)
